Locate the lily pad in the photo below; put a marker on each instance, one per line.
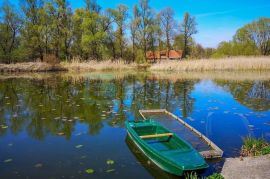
(110, 162)
(89, 171)
(110, 170)
(61, 133)
(8, 160)
(78, 146)
(38, 165)
(4, 127)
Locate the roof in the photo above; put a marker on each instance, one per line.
(164, 54)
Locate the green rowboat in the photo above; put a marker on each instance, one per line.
(165, 149)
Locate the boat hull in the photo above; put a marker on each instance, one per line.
(165, 149)
(164, 165)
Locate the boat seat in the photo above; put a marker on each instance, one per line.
(156, 135)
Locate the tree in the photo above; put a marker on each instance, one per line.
(134, 26)
(256, 34)
(92, 6)
(167, 25)
(93, 35)
(32, 33)
(61, 28)
(145, 21)
(188, 28)
(120, 15)
(9, 32)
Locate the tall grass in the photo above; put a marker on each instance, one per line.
(227, 64)
(255, 147)
(30, 67)
(92, 65)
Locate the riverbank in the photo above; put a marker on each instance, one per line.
(248, 167)
(31, 67)
(228, 64)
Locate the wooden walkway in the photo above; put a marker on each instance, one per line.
(215, 151)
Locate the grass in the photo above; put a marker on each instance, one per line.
(227, 64)
(255, 147)
(194, 175)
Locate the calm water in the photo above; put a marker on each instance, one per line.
(58, 126)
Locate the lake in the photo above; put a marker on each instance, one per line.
(72, 125)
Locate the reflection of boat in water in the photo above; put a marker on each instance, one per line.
(165, 149)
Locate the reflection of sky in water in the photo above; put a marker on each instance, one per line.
(50, 118)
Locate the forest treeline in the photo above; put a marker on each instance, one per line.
(50, 30)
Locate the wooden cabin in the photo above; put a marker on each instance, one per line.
(164, 55)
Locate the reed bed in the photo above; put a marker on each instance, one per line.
(30, 67)
(227, 64)
(107, 65)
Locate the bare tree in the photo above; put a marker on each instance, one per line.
(167, 24)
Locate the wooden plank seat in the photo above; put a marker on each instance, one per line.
(156, 135)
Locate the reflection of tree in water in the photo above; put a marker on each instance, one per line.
(255, 95)
(53, 106)
(183, 91)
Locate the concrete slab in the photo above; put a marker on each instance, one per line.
(248, 168)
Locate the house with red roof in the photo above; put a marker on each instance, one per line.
(164, 55)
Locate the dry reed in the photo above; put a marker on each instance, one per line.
(228, 64)
(30, 67)
(92, 65)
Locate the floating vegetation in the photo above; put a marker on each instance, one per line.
(4, 127)
(8, 160)
(78, 134)
(110, 162)
(60, 133)
(38, 165)
(83, 157)
(110, 170)
(89, 171)
(78, 146)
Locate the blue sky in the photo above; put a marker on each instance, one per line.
(217, 20)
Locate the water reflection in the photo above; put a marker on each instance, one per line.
(53, 113)
(255, 95)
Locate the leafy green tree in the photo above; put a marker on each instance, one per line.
(188, 28)
(255, 34)
(61, 28)
(10, 25)
(93, 35)
(35, 26)
(120, 15)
